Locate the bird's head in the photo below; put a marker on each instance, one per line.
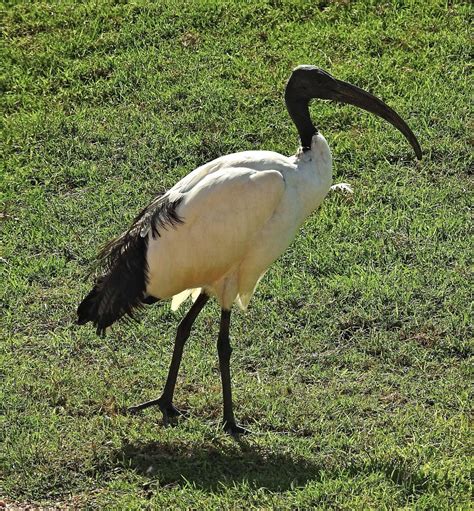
(308, 82)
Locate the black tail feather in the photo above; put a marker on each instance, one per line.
(122, 288)
(85, 311)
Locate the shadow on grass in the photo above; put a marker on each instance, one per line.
(208, 467)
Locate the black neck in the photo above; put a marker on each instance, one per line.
(298, 108)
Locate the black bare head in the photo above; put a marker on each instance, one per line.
(308, 82)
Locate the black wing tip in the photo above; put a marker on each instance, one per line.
(88, 309)
(122, 288)
(98, 324)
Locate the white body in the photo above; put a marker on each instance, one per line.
(240, 212)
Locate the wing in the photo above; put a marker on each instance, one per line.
(252, 160)
(221, 217)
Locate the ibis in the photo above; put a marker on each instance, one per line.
(216, 232)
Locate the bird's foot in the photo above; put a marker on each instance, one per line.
(234, 429)
(167, 408)
(170, 413)
(342, 187)
(142, 406)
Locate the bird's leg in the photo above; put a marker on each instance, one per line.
(165, 401)
(224, 350)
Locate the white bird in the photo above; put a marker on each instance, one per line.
(217, 231)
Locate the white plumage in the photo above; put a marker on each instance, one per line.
(239, 212)
(216, 232)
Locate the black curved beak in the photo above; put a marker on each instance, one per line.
(347, 93)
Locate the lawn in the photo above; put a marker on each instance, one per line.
(352, 364)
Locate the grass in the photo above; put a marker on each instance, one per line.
(353, 362)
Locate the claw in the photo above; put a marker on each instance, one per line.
(235, 430)
(170, 412)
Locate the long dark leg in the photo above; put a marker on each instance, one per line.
(165, 401)
(224, 350)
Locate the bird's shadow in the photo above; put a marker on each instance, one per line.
(212, 466)
(207, 466)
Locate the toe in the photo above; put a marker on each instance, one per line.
(235, 430)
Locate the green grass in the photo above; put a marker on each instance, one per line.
(352, 364)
